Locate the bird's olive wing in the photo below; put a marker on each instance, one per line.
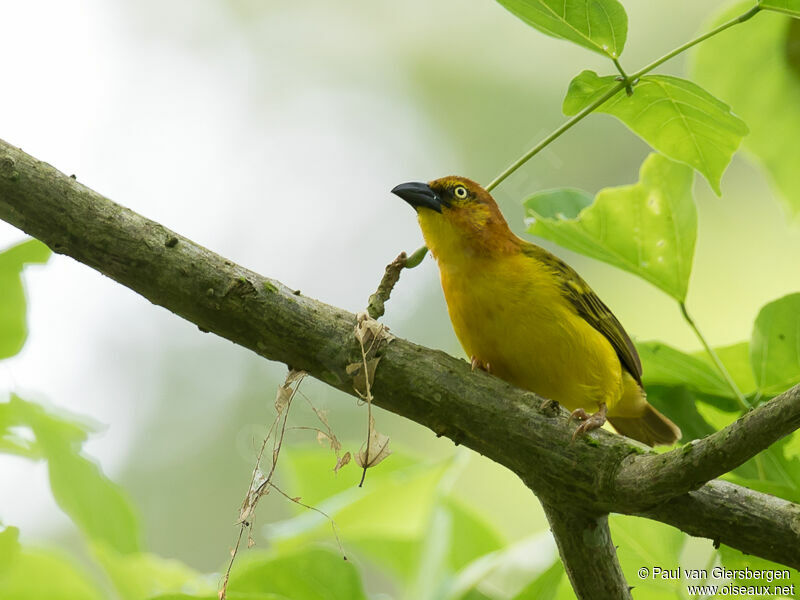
(589, 306)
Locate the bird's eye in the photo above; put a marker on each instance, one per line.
(460, 192)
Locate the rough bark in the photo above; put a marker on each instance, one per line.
(690, 466)
(592, 565)
(517, 429)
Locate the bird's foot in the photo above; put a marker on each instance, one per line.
(477, 363)
(590, 422)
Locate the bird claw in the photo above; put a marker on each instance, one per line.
(589, 422)
(477, 363)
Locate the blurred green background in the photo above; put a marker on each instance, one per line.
(271, 132)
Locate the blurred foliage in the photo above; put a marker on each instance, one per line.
(408, 533)
(13, 329)
(775, 347)
(763, 88)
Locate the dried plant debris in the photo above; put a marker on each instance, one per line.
(261, 483)
(371, 336)
(373, 453)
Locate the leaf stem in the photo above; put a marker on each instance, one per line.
(624, 77)
(735, 21)
(553, 136)
(626, 84)
(743, 403)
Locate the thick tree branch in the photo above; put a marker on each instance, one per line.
(589, 556)
(517, 429)
(655, 478)
(755, 523)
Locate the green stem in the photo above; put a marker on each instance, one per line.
(627, 80)
(743, 403)
(735, 21)
(613, 91)
(553, 136)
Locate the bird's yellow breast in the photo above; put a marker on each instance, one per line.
(510, 313)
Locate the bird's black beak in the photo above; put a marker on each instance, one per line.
(419, 195)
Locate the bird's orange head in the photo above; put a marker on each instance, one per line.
(458, 218)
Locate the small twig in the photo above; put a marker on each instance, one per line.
(368, 397)
(252, 497)
(375, 307)
(309, 507)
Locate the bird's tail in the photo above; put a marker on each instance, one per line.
(635, 417)
(651, 427)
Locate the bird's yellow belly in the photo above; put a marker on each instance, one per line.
(526, 331)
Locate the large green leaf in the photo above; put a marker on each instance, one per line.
(94, 503)
(13, 328)
(675, 116)
(545, 586)
(751, 68)
(313, 574)
(9, 547)
(664, 365)
(736, 358)
(599, 25)
(645, 543)
(510, 569)
(775, 346)
(648, 228)
(141, 575)
(228, 596)
(471, 535)
(39, 574)
(790, 7)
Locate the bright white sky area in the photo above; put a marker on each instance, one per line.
(255, 159)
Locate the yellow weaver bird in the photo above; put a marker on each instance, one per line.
(527, 317)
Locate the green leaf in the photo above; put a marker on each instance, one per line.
(471, 536)
(13, 328)
(38, 574)
(545, 586)
(141, 575)
(647, 228)
(9, 548)
(313, 479)
(407, 495)
(511, 568)
(664, 365)
(793, 47)
(228, 596)
(675, 116)
(599, 25)
(313, 574)
(93, 502)
(774, 471)
(775, 345)
(636, 548)
(763, 88)
(790, 7)
(736, 359)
